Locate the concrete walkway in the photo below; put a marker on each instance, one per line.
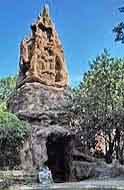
(85, 185)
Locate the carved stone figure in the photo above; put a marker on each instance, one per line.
(42, 56)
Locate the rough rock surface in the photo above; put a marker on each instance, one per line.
(39, 99)
(42, 56)
(35, 101)
(81, 170)
(51, 140)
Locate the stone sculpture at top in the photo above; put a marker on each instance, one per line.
(42, 56)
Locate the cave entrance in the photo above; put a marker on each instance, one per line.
(57, 158)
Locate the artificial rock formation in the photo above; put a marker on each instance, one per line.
(42, 56)
(51, 140)
(39, 99)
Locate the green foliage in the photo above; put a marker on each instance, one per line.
(12, 129)
(98, 104)
(13, 133)
(119, 29)
(103, 85)
(3, 106)
(119, 32)
(7, 85)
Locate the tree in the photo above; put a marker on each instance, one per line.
(97, 104)
(13, 133)
(119, 29)
(104, 83)
(7, 85)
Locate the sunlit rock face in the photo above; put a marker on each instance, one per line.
(42, 56)
(41, 94)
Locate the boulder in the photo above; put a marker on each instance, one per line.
(36, 102)
(95, 170)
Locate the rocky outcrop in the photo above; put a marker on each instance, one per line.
(35, 101)
(98, 169)
(51, 140)
(39, 99)
(42, 56)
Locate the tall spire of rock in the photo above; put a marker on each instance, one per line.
(46, 11)
(45, 14)
(42, 95)
(42, 56)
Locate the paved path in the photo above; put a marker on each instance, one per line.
(85, 185)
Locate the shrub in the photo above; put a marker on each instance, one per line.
(13, 133)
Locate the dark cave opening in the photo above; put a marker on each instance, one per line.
(57, 158)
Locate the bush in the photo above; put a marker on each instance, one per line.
(13, 133)
(7, 86)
